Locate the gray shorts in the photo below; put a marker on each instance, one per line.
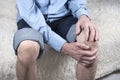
(66, 30)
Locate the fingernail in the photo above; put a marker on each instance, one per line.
(96, 39)
(87, 47)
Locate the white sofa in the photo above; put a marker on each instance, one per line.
(54, 66)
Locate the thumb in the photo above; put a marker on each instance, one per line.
(82, 46)
(78, 28)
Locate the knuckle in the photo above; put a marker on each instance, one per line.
(92, 54)
(92, 58)
(88, 62)
(88, 53)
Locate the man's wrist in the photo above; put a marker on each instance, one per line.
(85, 17)
(63, 50)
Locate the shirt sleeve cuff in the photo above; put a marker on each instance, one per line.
(81, 12)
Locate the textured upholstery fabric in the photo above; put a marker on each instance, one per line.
(53, 66)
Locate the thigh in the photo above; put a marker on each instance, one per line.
(63, 25)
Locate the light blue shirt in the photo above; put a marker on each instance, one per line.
(33, 11)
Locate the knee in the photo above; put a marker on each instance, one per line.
(28, 51)
(81, 38)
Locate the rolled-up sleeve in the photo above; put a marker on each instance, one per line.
(78, 7)
(34, 17)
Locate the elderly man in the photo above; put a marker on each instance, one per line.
(57, 23)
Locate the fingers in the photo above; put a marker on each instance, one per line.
(87, 31)
(89, 58)
(94, 35)
(86, 61)
(88, 53)
(82, 46)
(91, 32)
(78, 28)
(84, 64)
(97, 34)
(77, 57)
(86, 57)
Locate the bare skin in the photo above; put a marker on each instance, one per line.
(90, 30)
(86, 57)
(86, 67)
(85, 49)
(26, 66)
(84, 52)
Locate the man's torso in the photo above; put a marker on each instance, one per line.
(52, 9)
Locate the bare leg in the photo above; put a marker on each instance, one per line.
(32, 72)
(26, 67)
(82, 72)
(86, 73)
(21, 70)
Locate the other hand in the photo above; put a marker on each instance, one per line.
(91, 32)
(80, 52)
